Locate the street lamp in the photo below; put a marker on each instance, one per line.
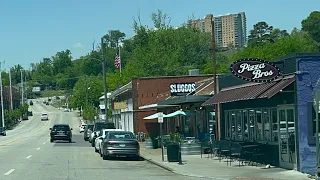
(103, 48)
(1, 89)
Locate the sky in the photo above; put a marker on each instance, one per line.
(33, 29)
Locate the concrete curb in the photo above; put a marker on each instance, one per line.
(176, 172)
(157, 164)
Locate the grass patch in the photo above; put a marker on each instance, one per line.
(58, 104)
(51, 93)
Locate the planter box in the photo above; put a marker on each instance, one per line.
(173, 152)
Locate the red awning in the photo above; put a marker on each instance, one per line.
(250, 91)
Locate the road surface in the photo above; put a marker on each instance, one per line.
(27, 154)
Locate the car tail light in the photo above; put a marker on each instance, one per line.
(110, 142)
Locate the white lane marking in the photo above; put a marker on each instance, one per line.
(38, 148)
(9, 172)
(28, 157)
(44, 143)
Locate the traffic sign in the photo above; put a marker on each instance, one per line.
(160, 117)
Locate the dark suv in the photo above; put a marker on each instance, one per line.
(61, 132)
(87, 132)
(98, 126)
(3, 131)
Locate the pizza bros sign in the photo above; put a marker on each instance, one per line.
(182, 89)
(255, 70)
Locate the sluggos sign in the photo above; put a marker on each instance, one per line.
(182, 89)
(255, 70)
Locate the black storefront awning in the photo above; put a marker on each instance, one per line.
(251, 91)
(185, 99)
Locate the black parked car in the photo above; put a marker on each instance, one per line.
(61, 132)
(3, 131)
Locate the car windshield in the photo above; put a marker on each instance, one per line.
(60, 127)
(121, 135)
(90, 127)
(104, 126)
(44, 114)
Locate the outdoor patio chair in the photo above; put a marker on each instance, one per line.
(225, 148)
(236, 153)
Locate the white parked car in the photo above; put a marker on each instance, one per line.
(99, 139)
(82, 127)
(44, 117)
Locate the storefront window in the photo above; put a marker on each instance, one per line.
(259, 125)
(274, 120)
(239, 125)
(252, 125)
(245, 125)
(227, 125)
(266, 119)
(233, 125)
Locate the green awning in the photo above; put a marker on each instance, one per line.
(155, 116)
(180, 113)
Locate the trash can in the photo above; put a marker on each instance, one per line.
(155, 143)
(173, 152)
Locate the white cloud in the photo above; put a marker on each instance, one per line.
(78, 45)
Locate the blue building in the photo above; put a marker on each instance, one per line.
(271, 107)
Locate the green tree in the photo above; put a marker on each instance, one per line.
(114, 37)
(312, 25)
(260, 33)
(61, 61)
(297, 41)
(94, 91)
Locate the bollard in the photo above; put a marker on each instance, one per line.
(201, 149)
(180, 158)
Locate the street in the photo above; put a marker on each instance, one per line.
(26, 153)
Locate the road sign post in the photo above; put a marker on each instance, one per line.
(160, 121)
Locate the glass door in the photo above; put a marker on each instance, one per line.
(286, 132)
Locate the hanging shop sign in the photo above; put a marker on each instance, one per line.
(182, 89)
(255, 70)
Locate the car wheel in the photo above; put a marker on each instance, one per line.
(95, 149)
(51, 140)
(92, 144)
(100, 152)
(105, 157)
(70, 140)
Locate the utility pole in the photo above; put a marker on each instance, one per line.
(215, 84)
(86, 90)
(22, 90)
(1, 89)
(103, 48)
(10, 81)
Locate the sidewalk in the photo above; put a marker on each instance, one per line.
(195, 166)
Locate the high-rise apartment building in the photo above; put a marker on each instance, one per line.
(229, 30)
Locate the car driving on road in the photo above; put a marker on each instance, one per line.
(44, 117)
(120, 143)
(61, 132)
(3, 131)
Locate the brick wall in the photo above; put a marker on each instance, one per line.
(145, 90)
(305, 87)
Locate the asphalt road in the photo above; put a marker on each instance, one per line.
(27, 154)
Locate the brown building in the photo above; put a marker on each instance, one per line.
(229, 30)
(142, 91)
